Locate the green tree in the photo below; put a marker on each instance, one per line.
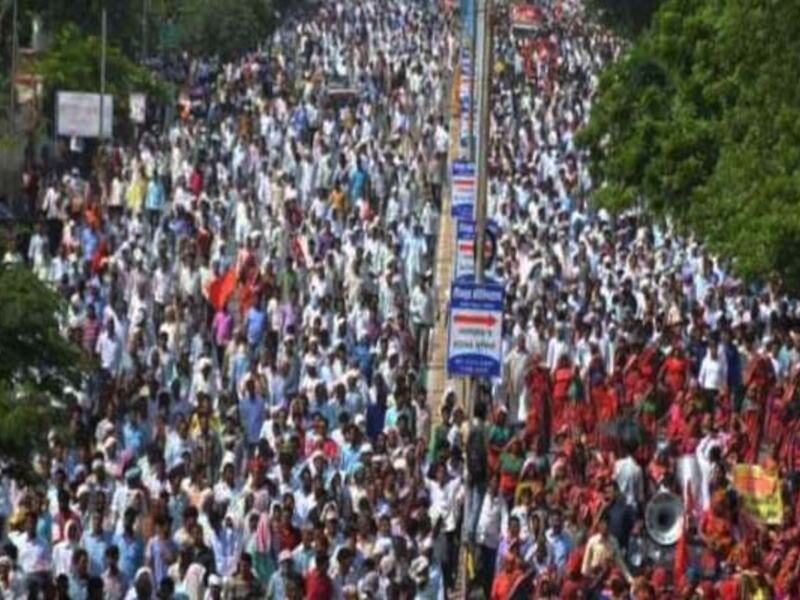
(73, 64)
(700, 120)
(626, 16)
(36, 362)
(225, 27)
(124, 19)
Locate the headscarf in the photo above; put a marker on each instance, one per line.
(263, 560)
(143, 572)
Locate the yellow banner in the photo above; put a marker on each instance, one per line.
(760, 492)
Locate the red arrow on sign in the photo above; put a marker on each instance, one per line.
(469, 246)
(484, 320)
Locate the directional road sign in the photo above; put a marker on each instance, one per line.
(474, 340)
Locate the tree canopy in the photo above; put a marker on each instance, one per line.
(72, 63)
(626, 16)
(700, 120)
(36, 361)
(224, 27)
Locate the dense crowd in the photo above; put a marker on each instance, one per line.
(255, 284)
(637, 370)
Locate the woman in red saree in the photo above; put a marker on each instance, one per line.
(562, 377)
(600, 405)
(537, 382)
(630, 376)
(674, 373)
(775, 415)
(249, 290)
(759, 380)
(716, 529)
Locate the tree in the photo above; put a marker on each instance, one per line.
(36, 362)
(700, 121)
(124, 19)
(224, 27)
(626, 16)
(73, 64)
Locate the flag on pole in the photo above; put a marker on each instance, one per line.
(221, 289)
(682, 549)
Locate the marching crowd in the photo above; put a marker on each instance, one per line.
(255, 285)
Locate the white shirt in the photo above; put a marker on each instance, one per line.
(630, 479)
(421, 306)
(712, 373)
(110, 350)
(33, 555)
(703, 454)
(490, 520)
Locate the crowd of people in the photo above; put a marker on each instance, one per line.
(255, 285)
(637, 369)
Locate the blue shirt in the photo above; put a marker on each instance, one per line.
(350, 458)
(358, 181)
(131, 555)
(363, 358)
(560, 546)
(251, 413)
(734, 361)
(376, 415)
(256, 324)
(155, 195)
(95, 546)
(133, 438)
(239, 367)
(88, 242)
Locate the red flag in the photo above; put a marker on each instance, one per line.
(221, 289)
(99, 257)
(682, 549)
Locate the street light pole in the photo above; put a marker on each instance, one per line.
(102, 70)
(482, 153)
(12, 83)
(144, 29)
(482, 159)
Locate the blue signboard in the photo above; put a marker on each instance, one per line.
(468, 12)
(463, 190)
(475, 330)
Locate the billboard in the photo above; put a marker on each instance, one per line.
(138, 108)
(525, 16)
(78, 114)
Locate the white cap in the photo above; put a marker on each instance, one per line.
(418, 567)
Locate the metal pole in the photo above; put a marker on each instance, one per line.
(482, 159)
(11, 95)
(481, 155)
(144, 30)
(102, 70)
(483, 140)
(473, 134)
